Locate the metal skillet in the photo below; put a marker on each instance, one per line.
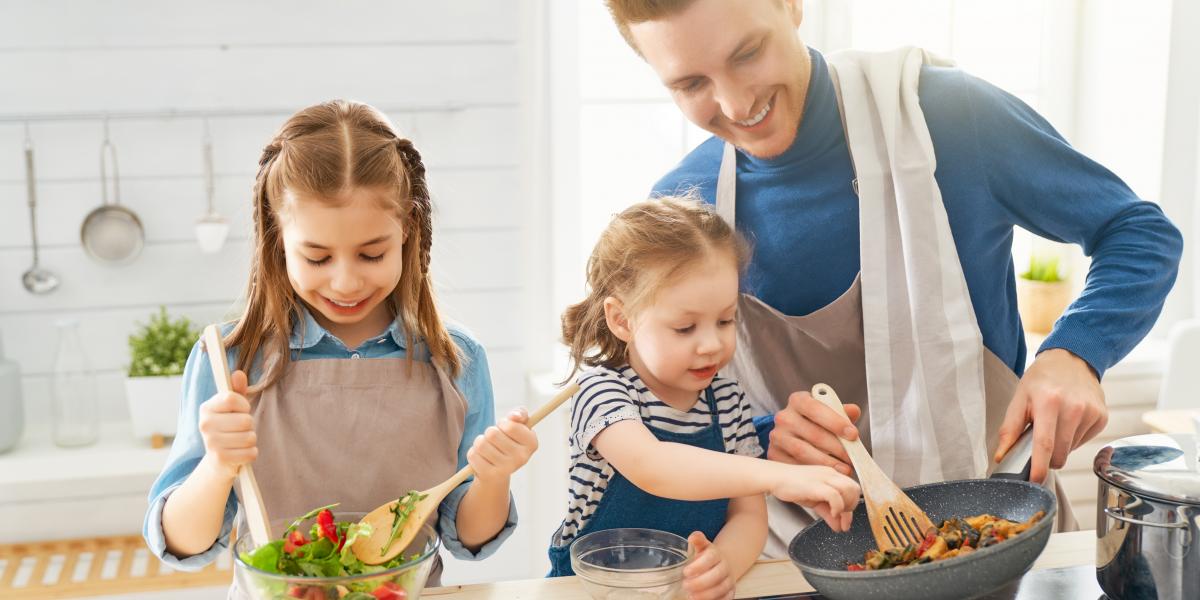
(823, 555)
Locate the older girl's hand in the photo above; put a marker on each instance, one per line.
(503, 448)
(227, 428)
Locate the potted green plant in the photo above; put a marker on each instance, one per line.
(1043, 292)
(158, 351)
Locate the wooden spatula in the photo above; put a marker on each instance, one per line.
(252, 504)
(896, 521)
(370, 549)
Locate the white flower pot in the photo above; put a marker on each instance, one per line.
(153, 404)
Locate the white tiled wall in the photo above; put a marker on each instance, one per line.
(447, 74)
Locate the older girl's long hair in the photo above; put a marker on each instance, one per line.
(644, 248)
(321, 152)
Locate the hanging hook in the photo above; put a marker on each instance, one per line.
(209, 186)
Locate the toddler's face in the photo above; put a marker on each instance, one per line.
(343, 259)
(687, 334)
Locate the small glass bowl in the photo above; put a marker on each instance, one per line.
(409, 577)
(642, 564)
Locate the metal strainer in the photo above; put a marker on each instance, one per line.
(111, 233)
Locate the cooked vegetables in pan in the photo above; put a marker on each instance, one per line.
(952, 538)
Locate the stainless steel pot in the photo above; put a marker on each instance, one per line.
(1148, 518)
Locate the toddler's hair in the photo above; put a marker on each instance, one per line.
(644, 248)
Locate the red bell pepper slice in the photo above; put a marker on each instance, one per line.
(930, 538)
(327, 529)
(389, 591)
(294, 540)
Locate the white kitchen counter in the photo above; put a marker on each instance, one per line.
(95, 490)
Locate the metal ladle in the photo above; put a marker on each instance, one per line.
(37, 280)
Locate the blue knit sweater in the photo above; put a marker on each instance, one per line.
(999, 164)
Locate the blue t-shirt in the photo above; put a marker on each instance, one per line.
(310, 341)
(999, 164)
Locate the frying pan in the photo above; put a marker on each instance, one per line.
(822, 555)
(111, 233)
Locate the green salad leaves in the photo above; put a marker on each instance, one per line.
(326, 549)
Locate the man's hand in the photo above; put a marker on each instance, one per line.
(806, 433)
(1062, 396)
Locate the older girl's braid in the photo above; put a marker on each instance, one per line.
(419, 192)
(259, 301)
(420, 218)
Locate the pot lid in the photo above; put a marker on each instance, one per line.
(1160, 465)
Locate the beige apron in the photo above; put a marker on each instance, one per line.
(778, 354)
(358, 432)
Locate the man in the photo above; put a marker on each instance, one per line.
(880, 192)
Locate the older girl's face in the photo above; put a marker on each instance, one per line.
(344, 258)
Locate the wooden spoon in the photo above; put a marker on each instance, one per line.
(370, 549)
(896, 521)
(251, 497)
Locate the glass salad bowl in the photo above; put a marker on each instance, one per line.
(255, 579)
(628, 564)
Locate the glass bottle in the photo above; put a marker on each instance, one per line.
(12, 411)
(76, 414)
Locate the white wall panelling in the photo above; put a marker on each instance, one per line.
(104, 24)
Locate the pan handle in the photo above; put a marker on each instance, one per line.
(108, 150)
(1019, 460)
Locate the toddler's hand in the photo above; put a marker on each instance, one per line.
(228, 428)
(707, 576)
(828, 493)
(503, 448)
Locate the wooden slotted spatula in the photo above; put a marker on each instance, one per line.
(252, 504)
(370, 549)
(896, 521)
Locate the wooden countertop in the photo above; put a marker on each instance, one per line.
(764, 579)
(1172, 421)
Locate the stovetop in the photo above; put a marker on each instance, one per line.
(1068, 583)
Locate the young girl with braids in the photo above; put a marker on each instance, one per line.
(358, 391)
(659, 439)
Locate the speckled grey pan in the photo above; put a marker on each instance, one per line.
(822, 555)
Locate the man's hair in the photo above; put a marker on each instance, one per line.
(631, 12)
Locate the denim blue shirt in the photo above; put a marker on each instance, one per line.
(315, 342)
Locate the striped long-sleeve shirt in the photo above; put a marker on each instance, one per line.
(607, 396)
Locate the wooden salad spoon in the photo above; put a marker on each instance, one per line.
(370, 549)
(251, 497)
(896, 521)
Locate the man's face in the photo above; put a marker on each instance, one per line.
(736, 68)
